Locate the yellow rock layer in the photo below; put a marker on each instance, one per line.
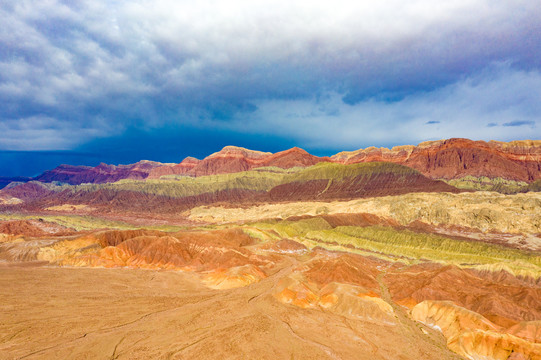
(485, 211)
(472, 335)
(450, 319)
(492, 345)
(11, 238)
(347, 300)
(67, 249)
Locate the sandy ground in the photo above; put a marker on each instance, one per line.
(89, 313)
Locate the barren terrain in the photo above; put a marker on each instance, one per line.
(252, 255)
(77, 313)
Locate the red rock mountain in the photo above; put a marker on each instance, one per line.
(234, 159)
(102, 173)
(228, 160)
(442, 159)
(174, 169)
(292, 158)
(456, 158)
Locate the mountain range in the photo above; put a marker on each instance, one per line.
(442, 159)
(238, 175)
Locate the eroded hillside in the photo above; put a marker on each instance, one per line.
(390, 281)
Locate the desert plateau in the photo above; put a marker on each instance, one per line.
(430, 251)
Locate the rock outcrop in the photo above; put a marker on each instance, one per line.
(457, 158)
(220, 254)
(503, 302)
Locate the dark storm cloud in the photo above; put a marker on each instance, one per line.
(32, 163)
(165, 145)
(74, 71)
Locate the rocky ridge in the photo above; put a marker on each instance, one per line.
(442, 159)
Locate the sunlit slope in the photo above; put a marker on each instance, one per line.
(472, 335)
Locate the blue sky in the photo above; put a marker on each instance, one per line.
(119, 81)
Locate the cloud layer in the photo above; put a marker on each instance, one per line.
(326, 75)
(499, 103)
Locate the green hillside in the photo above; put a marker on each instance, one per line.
(261, 179)
(405, 245)
(484, 183)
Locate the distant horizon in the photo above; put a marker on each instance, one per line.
(48, 160)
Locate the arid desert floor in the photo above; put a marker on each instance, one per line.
(78, 313)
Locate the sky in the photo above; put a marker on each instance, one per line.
(84, 82)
